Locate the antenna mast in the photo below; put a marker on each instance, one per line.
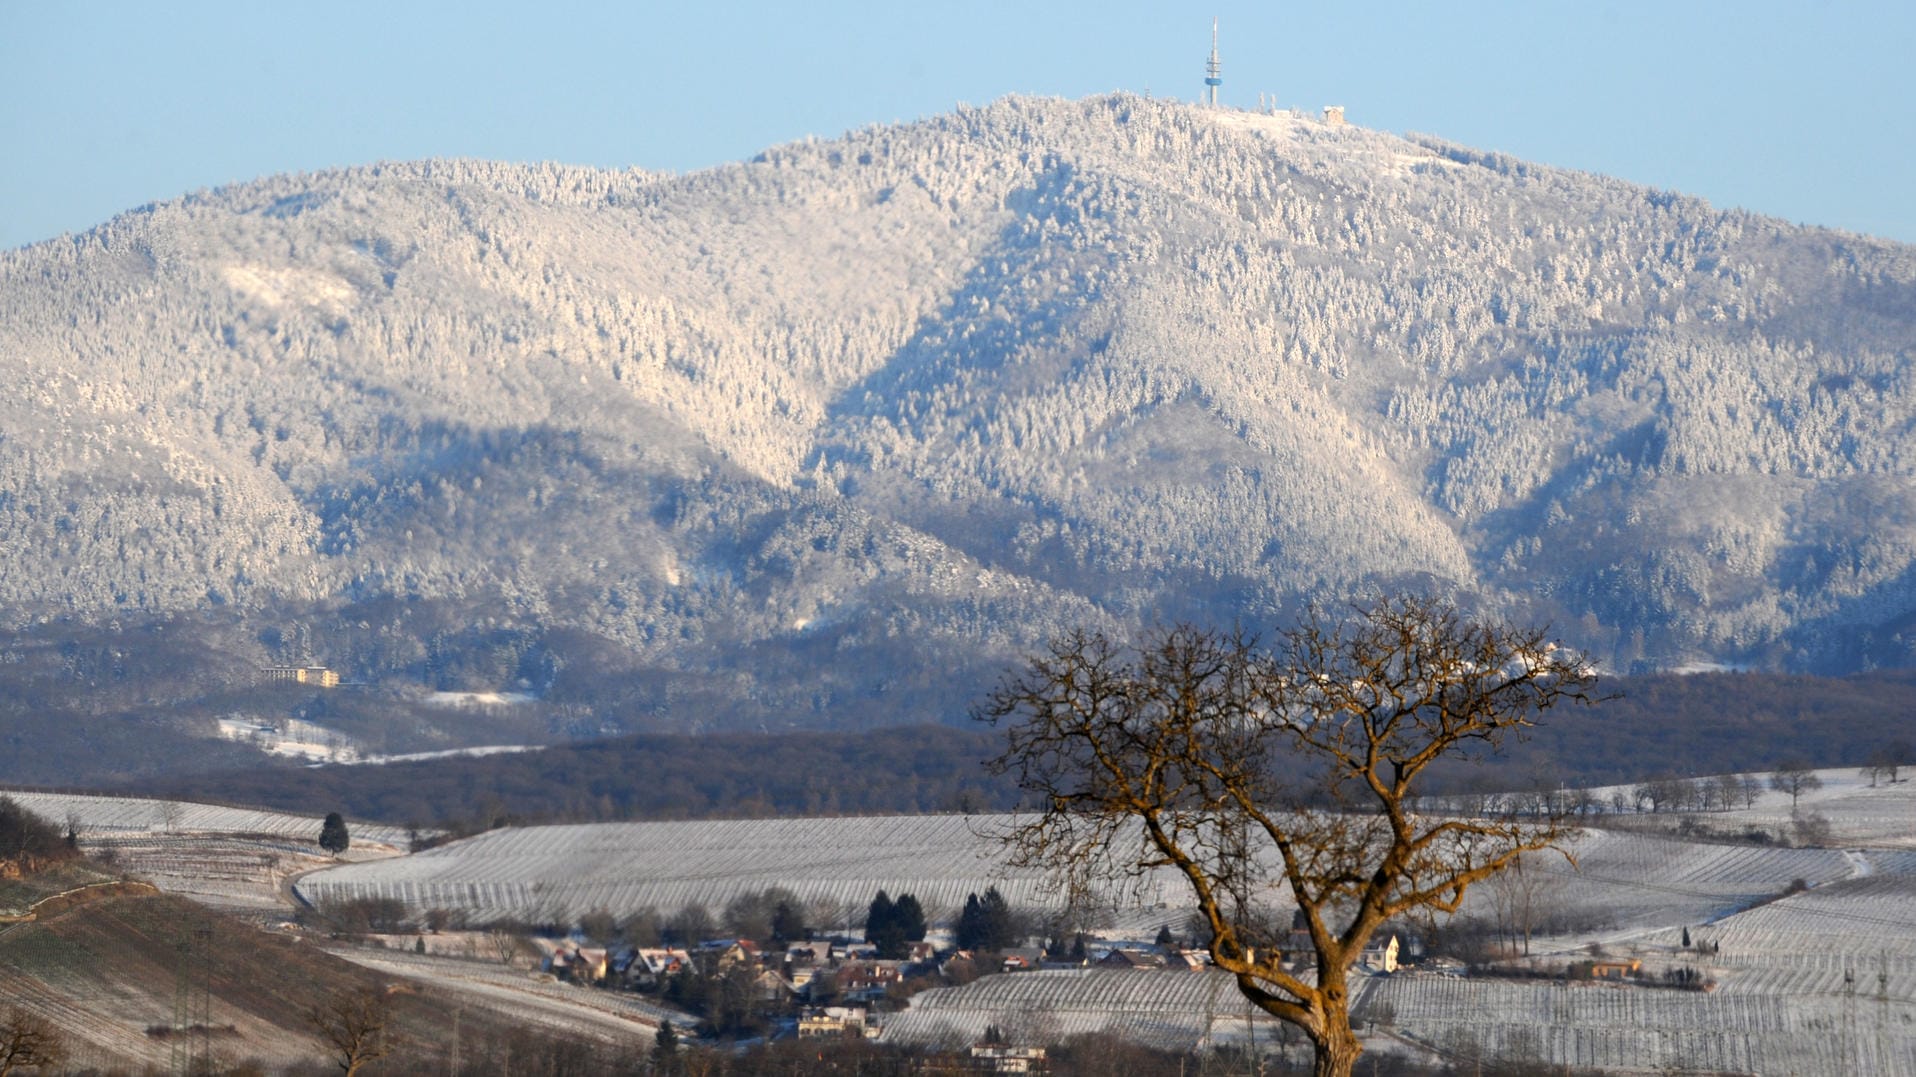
(1213, 77)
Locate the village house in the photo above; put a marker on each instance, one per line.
(805, 962)
(719, 955)
(317, 675)
(770, 986)
(810, 953)
(866, 980)
(1004, 1058)
(1621, 969)
(1131, 959)
(650, 966)
(1381, 956)
(831, 1022)
(1023, 959)
(578, 964)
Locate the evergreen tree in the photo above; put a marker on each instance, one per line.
(788, 924)
(970, 924)
(986, 923)
(910, 917)
(1000, 925)
(665, 1049)
(886, 927)
(877, 915)
(332, 834)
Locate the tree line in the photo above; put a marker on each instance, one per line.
(1657, 728)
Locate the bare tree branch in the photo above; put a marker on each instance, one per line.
(28, 1041)
(1282, 774)
(353, 1025)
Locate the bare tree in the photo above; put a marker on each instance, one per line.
(1527, 897)
(1795, 777)
(1729, 790)
(1886, 761)
(502, 945)
(1811, 830)
(1247, 771)
(353, 1026)
(28, 1041)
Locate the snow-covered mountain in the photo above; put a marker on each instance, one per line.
(841, 428)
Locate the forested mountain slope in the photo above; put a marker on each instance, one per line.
(827, 435)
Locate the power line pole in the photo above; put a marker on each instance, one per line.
(1882, 1011)
(1851, 1051)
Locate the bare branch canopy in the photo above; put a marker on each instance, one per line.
(1284, 774)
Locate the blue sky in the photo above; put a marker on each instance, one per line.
(1802, 110)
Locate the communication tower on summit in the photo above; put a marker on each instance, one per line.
(1213, 71)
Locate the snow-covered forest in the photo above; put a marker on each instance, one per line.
(837, 429)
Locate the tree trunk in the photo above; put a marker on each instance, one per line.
(1337, 1052)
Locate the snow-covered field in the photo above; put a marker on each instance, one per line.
(238, 859)
(565, 871)
(1626, 882)
(1171, 1010)
(1880, 815)
(607, 1015)
(1822, 981)
(315, 743)
(292, 738)
(1812, 982)
(105, 815)
(233, 873)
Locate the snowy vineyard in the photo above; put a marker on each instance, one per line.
(1812, 951)
(105, 816)
(1625, 880)
(1635, 1028)
(559, 1007)
(1817, 982)
(563, 872)
(1171, 1010)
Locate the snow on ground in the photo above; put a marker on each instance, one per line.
(562, 872)
(1795, 971)
(99, 815)
(479, 699)
(1820, 981)
(1882, 815)
(1172, 1010)
(1625, 882)
(448, 753)
(291, 737)
(1860, 813)
(237, 874)
(1816, 980)
(237, 859)
(617, 1017)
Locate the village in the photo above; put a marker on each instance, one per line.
(840, 983)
